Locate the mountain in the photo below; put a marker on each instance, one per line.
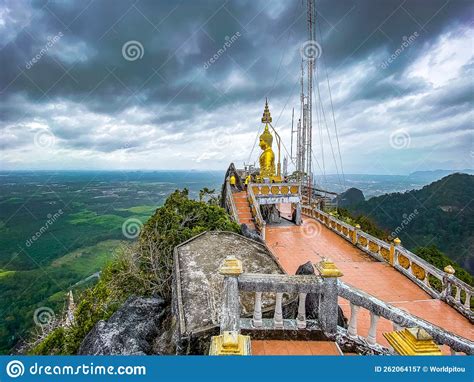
(350, 197)
(433, 175)
(441, 214)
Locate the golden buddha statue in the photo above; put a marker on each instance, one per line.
(267, 157)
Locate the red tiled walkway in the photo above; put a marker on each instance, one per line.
(295, 245)
(294, 348)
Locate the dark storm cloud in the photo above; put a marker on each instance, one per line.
(170, 86)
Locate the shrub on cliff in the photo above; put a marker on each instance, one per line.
(178, 220)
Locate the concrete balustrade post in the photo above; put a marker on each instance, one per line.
(447, 285)
(301, 319)
(457, 298)
(278, 317)
(257, 311)
(372, 337)
(230, 313)
(352, 329)
(328, 308)
(467, 302)
(393, 255)
(355, 234)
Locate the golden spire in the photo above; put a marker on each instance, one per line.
(267, 118)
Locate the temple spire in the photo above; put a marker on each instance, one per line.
(267, 117)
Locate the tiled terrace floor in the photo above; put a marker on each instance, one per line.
(294, 348)
(295, 245)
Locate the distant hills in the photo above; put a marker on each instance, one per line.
(431, 176)
(441, 213)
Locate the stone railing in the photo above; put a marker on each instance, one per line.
(280, 284)
(328, 289)
(280, 189)
(415, 268)
(255, 208)
(325, 285)
(229, 201)
(452, 285)
(400, 319)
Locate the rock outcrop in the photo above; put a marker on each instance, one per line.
(250, 233)
(129, 331)
(312, 299)
(350, 197)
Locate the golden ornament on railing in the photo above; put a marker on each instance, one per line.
(231, 266)
(449, 269)
(327, 268)
(385, 253)
(373, 247)
(418, 271)
(363, 241)
(412, 341)
(230, 343)
(403, 261)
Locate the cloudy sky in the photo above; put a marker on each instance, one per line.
(108, 84)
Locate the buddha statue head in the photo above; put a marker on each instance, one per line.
(266, 139)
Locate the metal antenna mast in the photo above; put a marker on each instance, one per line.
(304, 137)
(309, 122)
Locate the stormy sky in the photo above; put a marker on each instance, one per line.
(115, 84)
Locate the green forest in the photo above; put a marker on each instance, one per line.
(440, 215)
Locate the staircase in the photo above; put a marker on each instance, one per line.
(243, 209)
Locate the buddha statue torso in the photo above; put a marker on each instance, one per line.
(267, 157)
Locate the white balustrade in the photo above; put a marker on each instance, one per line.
(352, 330)
(257, 312)
(467, 302)
(372, 337)
(457, 298)
(278, 317)
(301, 318)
